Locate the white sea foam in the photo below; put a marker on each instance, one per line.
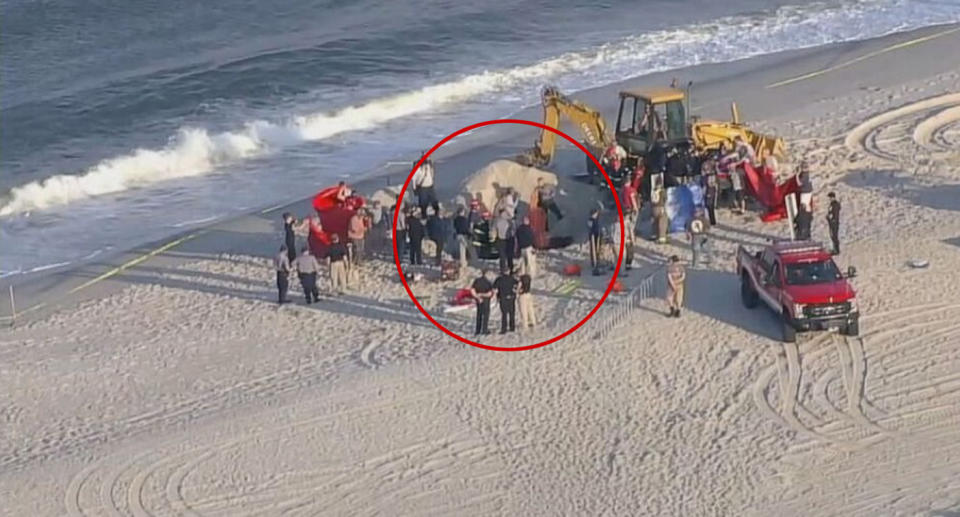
(194, 151)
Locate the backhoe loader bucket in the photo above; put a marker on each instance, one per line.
(710, 134)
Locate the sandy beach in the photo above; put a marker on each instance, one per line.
(165, 380)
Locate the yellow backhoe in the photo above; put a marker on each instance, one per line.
(647, 116)
(590, 123)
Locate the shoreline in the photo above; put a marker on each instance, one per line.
(715, 85)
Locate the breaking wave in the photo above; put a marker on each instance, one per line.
(195, 151)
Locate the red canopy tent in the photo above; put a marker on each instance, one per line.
(763, 186)
(334, 217)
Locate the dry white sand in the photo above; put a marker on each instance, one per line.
(191, 393)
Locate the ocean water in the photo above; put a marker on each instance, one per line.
(123, 122)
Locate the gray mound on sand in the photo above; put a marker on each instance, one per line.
(497, 176)
(576, 205)
(386, 196)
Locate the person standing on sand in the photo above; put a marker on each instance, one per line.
(376, 213)
(528, 313)
(803, 222)
(416, 233)
(423, 187)
(401, 230)
(833, 222)
(281, 263)
(595, 235)
(503, 226)
(628, 243)
(676, 276)
(435, 232)
(546, 199)
(482, 292)
(357, 233)
(528, 257)
(806, 186)
(337, 263)
(307, 267)
(745, 151)
(508, 202)
(290, 236)
(737, 180)
(661, 223)
(697, 230)
(506, 287)
(711, 189)
(630, 204)
(461, 226)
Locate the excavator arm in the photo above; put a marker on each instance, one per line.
(557, 106)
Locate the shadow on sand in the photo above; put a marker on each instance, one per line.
(717, 294)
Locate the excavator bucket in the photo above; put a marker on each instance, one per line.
(710, 134)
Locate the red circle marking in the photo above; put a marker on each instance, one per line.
(396, 254)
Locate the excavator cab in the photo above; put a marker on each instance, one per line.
(651, 115)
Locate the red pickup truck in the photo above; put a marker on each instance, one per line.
(800, 281)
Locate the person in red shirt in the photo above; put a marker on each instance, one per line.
(638, 173)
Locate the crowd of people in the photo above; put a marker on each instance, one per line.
(473, 233)
(721, 175)
(341, 258)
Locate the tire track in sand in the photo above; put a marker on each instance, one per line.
(853, 363)
(864, 136)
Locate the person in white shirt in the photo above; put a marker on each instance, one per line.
(745, 151)
(423, 187)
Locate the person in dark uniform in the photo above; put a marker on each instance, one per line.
(401, 230)
(281, 263)
(710, 186)
(415, 232)
(482, 291)
(803, 221)
(337, 256)
(833, 222)
(289, 237)
(506, 287)
(656, 159)
(596, 240)
(525, 243)
(436, 234)
(307, 268)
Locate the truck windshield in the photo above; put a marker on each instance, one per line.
(813, 273)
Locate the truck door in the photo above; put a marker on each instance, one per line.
(775, 287)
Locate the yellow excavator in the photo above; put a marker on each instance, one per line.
(647, 116)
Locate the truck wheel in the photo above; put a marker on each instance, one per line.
(748, 295)
(789, 332)
(852, 328)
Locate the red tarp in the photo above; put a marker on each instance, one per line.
(763, 186)
(463, 297)
(333, 217)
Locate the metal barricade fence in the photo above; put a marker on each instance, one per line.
(617, 310)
